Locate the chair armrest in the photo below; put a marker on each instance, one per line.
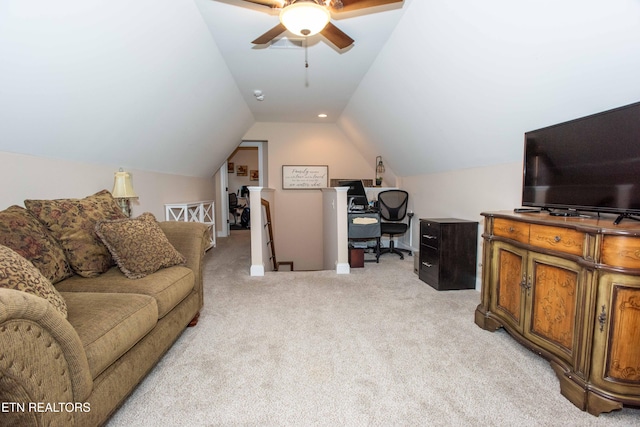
(42, 359)
(191, 240)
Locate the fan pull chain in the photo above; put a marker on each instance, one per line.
(306, 63)
(306, 54)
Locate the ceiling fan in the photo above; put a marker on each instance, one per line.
(308, 17)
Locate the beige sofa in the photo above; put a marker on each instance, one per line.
(57, 371)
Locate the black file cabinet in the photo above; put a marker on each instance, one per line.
(448, 253)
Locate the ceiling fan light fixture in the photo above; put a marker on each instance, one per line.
(305, 18)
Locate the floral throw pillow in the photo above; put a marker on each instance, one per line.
(138, 245)
(72, 223)
(22, 232)
(18, 273)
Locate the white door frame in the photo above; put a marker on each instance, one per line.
(225, 230)
(224, 200)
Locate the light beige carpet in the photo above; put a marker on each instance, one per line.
(377, 347)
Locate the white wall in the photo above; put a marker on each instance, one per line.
(463, 194)
(459, 82)
(29, 177)
(139, 84)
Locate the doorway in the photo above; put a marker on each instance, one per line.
(243, 172)
(245, 167)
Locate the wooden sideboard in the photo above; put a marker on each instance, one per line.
(568, 289)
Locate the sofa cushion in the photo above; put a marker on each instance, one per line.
(109, 324)
(168, 286)
(16, 272)
(138, 245)
(72, 223)
(22, 232)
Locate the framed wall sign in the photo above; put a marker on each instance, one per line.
(304, 177)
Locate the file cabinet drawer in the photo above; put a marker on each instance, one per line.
(429, 266)
(429, 234)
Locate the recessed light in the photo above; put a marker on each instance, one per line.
(322, 115)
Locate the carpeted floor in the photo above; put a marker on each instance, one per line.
(377, 347)
(238, 227)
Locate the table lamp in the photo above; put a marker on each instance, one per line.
(123, 191)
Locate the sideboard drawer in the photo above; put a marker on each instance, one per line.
(621, 251)
(557, 238)
(515, 230)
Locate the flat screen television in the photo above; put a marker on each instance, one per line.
(587, 164)
(356, 194)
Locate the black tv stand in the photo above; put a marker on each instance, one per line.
(623, 216)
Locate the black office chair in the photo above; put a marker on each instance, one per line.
(393, 210)
(234, 206)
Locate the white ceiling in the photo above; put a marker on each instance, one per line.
(435, 85)
(294, 93)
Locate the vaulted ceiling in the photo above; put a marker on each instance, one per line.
(293, 92)
(431, 85)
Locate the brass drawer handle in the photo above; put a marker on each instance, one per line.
(511, 229)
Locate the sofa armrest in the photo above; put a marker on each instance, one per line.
(42, 359)
(191, 240)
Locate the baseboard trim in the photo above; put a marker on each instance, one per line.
(257, 270)
(343, 268)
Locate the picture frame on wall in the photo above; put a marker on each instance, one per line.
(254, 175)
(230, 167)
(242, 170)
(304, 177)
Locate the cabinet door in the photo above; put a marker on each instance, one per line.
(507, 283)
(552, 302)
(616, 342)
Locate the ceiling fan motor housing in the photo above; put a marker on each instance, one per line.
(305, 17)
(319, 12)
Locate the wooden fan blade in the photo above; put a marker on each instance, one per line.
(270, 35)
(336, 36)
(270, 3)
(350, 5)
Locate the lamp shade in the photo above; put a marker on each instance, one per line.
(305, 18)
(122, 187)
